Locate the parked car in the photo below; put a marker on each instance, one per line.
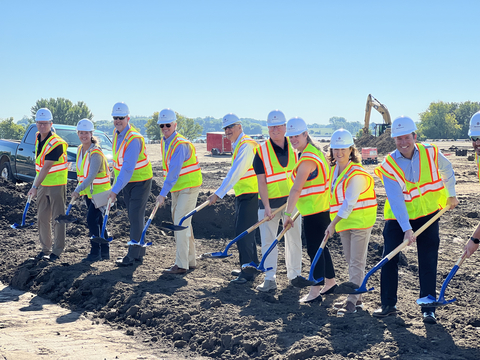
(17, 157)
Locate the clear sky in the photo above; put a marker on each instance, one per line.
(313, 59)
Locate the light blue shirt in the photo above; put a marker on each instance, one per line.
(243, 161)
(129, 160)
(181, 154)
(411, 169)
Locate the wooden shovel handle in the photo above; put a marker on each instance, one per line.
(253, 227)
(294, 217)
(404, 244)
(154, 211)
(200, 207)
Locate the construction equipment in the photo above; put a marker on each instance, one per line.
(369, 156)
(382, 109)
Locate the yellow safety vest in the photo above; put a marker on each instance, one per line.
(102, 179)
(424, 197)
(276, 175)
(190, 175)
(248, 183)
(58, 173)
(477, 159)
(314, 197)
(143, 168)
(364, 212)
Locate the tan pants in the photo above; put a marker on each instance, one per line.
(183, 202)
(355, 246)
(50, 204)
(293, 245)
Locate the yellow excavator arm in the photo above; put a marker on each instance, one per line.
(377, 105)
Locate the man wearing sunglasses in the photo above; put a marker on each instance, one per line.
(474, 133)
(182, 177)
(419, 181)
(133, 175)
(242, 179)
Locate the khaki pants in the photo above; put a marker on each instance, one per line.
(355, 246)
(183, 202)
(293, 245)
(50, 204)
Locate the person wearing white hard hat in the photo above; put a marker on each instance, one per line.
(51, 183)
(273, 164)
(93, 177)
(133, 176)
(309, 193)
(242, 179)
(474, 134)
(182, 178)
(353, 210)
(419, 181)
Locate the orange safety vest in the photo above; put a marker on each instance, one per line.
(102, 179)
(248, 183)
(58, 173)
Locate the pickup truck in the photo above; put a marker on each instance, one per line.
(17, 157)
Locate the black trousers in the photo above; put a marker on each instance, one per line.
(314, 227)
(94, 219)
(246, 215)
(427, 248)
(136, 195)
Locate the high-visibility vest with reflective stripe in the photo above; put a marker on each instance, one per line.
(143, 168)
(190, 175)
(276, 175)
(102, 179)
(314, 197)
(58, 173)
(248, 183)
(364, 212)
(424, 197)
(477, 159)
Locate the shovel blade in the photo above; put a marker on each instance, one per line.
(301, 282)
(65, 219)
(172, 227)
(351, 288)
(430, 301)
(18, 226)
(215, 255)
(250, 268)
(101, 240)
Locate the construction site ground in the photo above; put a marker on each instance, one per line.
(139, 313)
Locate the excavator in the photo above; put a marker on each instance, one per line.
(382, 109)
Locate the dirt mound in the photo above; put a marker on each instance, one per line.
(384, 143)
(202, 313)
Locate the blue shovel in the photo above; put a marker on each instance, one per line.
(431, 301)
(351, 288)
(23, 225)
(99, 239)
(252, 268)
(67, 218)
(180, 227)
(224, 253)
(300, 281)
(142, 242)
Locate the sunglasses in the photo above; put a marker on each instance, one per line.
(163, 125)
(475, 138)
(229, 126)
(119, 117)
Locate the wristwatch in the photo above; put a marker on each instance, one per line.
(475, 241)
(33, 186)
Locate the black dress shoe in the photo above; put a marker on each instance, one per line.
(429, 317)
(330, 291)
(236, 272)
(385, 311)
(52, 257)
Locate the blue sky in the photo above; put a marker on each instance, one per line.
(313, 59)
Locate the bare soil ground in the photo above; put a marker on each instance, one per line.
(202, 314)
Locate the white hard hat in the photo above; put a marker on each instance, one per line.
(85, 125)
(276, 117)
(474, 129)
(120, 109)
(341, 139)
(43, 114)
(166, 116)
(296, 126)
(403, 125)
(230, 119)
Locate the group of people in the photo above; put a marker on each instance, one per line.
(332, 193)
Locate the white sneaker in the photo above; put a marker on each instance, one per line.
(267, 285)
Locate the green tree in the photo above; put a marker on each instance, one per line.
(10, 130)
(439, 121)
(63, 110)
(463, 113)
(337, 122)
(185, 126)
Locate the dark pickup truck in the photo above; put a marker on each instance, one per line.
(17, 157)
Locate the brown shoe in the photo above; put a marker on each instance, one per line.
(175, 270)
(349, 308)
(343, 304)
